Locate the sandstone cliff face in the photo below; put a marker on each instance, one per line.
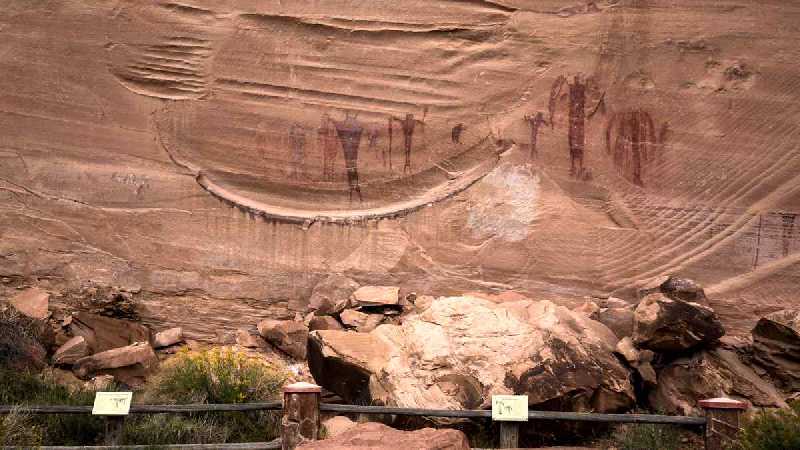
(218, 158)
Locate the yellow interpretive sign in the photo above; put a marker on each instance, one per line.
(112, 403)
(510, 408)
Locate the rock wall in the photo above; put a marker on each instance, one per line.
(217, 158)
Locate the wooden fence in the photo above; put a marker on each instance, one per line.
(302, 408)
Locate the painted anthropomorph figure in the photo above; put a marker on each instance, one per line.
(326, 138)
(455, 134)
(535, 122)
(297, 144)
(577, 117)
(350, 131)
(408, 124)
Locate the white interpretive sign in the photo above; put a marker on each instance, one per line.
(112, 403)
(512, 408)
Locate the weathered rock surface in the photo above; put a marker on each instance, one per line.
(710, 374)
(641, 360)
(376, 436)
(32, 302)
(462, 350)
(776, 347)
(247, 339)
(665, 325)
(140, 354)
(617, 315)
(362, 322)
(324, 323)
(168, 337)
(376, 296)
(337, 425)
(73, 350)
(332, 294)
(105, 333)
(169, 153)
(683, 289)
(288, 336)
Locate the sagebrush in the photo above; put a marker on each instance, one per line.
(771, 430)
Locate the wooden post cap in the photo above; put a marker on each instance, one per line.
(722, 403)
(302, 388)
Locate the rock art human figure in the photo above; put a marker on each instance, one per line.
(787, 232)
(408, 125)
(633, 142)
(535, 121)
(350, 131)
(326, 139)
(577, 93)
(297, 144)
(455, 134)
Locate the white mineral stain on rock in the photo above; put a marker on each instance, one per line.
(505, 205)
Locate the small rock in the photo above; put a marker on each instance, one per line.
(337, 425)
(324, 323)
(587, 308)
(684, 289)
(248, 340)
(168, 337)
(376, 436)
(99, 383)
(288, 336)
(617, 319)
(73, 350)
(353, 319)
(32, 302)
(376, 296)
(639, 360)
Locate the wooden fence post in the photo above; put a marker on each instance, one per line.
(113, 430)
(300, 420)
(723, 416)
(509, 435)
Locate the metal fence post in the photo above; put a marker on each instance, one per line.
(300, 420)
(509, 435)
(723, 416)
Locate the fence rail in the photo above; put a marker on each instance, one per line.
(301, 405)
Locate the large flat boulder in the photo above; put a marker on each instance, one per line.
(462, 350)
(32, 302)
(663, 324)
(140, 354)
(776, 347)
(168, 337)
(376, 436)
(710, 374)
(106, 333)
(376, 296)
(288, 336)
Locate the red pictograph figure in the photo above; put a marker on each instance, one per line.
(407, 125)
(455, 134)
(326, 138)
(350, 131)
(577, 92)
(297, 144)
(633, 142)
(787, 232)
(535, 121)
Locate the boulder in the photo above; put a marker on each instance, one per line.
(376, 296)
(140, 354)
(337, 425)
(248, 340)
(641, 360)
(288, 336)
(462, 350)
(105, 333)
(663, 324)
(617, 315)
(362, 322)
(675, 288)
(332, 294)
(324, 323)
(33, 303)
(73, 350)
(376, 436)
(168, 337)
(776, 347)
(710, 374)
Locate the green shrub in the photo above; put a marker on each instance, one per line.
(163, 429)
(17, 429)
(648, 437)
(768, 430)
(21, 388)
(222, 376)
